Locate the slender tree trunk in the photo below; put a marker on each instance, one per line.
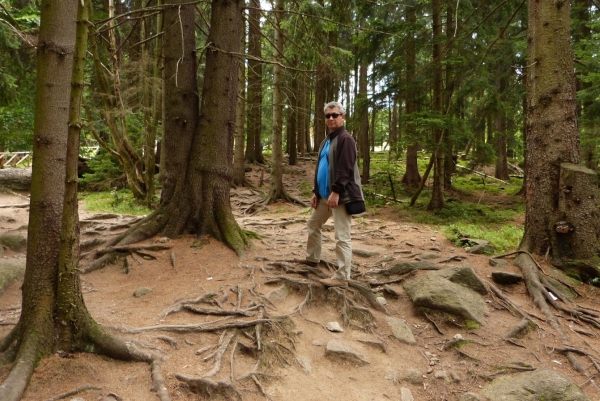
(277, 191)
(500, 135)
(255, 91)
(239, 165)
(362, 117)
(412, 177)
(437, 194)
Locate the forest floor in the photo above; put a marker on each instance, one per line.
(137, 295)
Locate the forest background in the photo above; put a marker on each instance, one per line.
(445, 78)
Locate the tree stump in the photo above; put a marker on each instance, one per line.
(576, 229)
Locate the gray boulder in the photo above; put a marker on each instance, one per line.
(541, 384)
(465, 276)
(343, 352)
(433, 291)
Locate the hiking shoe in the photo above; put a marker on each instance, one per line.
(333, 282)
(311, 263)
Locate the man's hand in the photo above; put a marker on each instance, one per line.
(314, 201)
(333, 200)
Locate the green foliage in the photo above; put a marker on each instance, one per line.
(107, 173)
(117, 201)
(504, 237)
(480, 207)
(16, 127)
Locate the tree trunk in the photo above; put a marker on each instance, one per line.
(552, 132)
(437, 194)
(276, 190)
(53, 314)
(412, 177)
(196, 198)
(255, 92)
(239, 165)
(362, 118)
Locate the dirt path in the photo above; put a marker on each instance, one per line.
(298, 368)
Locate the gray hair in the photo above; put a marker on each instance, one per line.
(332, 105)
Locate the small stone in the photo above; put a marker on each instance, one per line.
(382, 301)
(412, 376)
(406, 395)
(334, 327)
(304, 363)
(140, 292)
(506, 278)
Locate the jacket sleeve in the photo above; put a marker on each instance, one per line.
(344, 169)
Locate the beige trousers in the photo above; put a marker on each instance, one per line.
(343, 246)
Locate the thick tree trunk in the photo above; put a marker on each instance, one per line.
(180, 95)
(552, 132)
(196, 198)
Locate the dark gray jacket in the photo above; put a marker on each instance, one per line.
(344, 177)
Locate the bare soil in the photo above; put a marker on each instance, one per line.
(299, 370)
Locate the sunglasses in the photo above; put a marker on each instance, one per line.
(334, 115)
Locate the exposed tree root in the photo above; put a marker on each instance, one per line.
(198, 328)
(73, 392)
(209, 389)
(542, 300)
(104, 343)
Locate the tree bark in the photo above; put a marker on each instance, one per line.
(255, 92)
(552, 132)
(437, 193)
(196, 197)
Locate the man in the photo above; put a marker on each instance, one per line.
(337, 182)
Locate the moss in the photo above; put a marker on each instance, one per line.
(14, 242)
(471, 324)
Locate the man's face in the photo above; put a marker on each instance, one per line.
(334, 123)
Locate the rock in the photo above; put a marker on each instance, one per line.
(407, 267)
(385, 259)
(278, 294)
(14, 242)
(376, 344)
(364, 253)
(406, 395)
(465, 276)
(499, 263)
(304, 363)
(412, 376)
(401, 330)
(334, 327)
(140, 292)
(477, 246)
(392, 290)
(382, 301)
(472, 397)
(438, 293)
(506, 278)
(541, 384)
(342, 352)
(429, 256)
(455, 376)
(442, 375)
(11, 272)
